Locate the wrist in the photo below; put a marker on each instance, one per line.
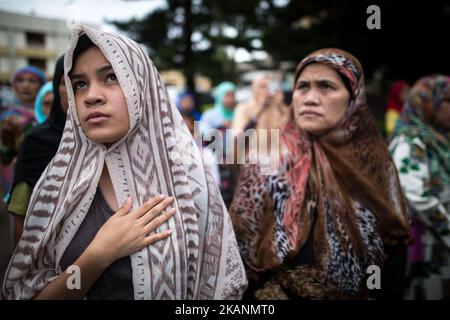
(98, 256)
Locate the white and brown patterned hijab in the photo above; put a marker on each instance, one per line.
(200, 260)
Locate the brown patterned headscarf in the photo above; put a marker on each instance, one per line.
(345, 179)
(200, 260)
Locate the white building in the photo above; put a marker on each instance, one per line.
(30, 40)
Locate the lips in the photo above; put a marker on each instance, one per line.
(96, 117)
(310, 113)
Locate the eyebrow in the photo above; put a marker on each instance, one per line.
(319, 82)
(103, 69)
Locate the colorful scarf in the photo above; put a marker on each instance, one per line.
(33, 70)
(219, 93)
(200, 260)
(417, 120)
(191, 113)
(38, 112)
(344, 180)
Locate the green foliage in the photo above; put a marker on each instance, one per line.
(405, 47)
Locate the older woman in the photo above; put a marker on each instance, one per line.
(334, 207)
(421, 151)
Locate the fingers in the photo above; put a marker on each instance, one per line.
(155, 211)
(148, 205)
(156, 222)
(125, 208)
(157, 237)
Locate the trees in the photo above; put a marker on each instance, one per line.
(196, 35)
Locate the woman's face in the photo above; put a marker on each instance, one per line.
(320, 99)
(261, 89)
(228, 100)
(100, 102)
(47, 103)
(187, 103)
(26, 87)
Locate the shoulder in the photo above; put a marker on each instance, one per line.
(35, 134)
(403, 143)
(243, 108)
(209, 113)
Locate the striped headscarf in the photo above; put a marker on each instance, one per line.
(200, 260)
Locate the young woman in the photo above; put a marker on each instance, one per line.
(102, 204)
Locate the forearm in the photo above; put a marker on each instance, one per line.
(90, 265)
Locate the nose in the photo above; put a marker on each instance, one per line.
(311, 98)
(95, 95)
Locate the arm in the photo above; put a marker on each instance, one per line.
(240, 119)
(122, 234)
(412, 164)
(18, 205)
(91, 267)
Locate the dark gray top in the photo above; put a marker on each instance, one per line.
(116, 281)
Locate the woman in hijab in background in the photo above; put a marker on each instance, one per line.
(43, 103)
(222, 114)
(16, 120)
(38, 148)
(186, 105)
(334, 207)
(421, 151)
(102, 203)
(220, 118)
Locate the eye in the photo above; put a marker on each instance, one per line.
(111, 77)
(79, 85)
(326, 86)
(302, 85)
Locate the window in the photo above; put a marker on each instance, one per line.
(35, 39)
(40, 63)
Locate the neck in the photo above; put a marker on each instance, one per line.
(106, 187)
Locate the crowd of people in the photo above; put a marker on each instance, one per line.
(95, 174)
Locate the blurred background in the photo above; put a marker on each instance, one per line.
(197, 44)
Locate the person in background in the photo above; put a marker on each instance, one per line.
(222, 114)
(43, 103)
(208, 156)
(396, 99)
(220, 118)
(421, 151)
(16, 120)
(186, 105)
(26, 83)
(38, 148)
(248, 112)
(258, 119)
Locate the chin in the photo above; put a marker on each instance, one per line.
(308, 126)
(101, 139)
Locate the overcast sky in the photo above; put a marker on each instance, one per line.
(91, 11)
(97, 12)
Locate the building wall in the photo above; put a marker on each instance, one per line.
(16, 48)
